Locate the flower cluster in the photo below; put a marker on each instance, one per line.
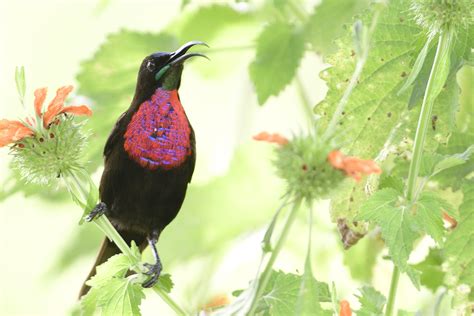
(49, 143)
(312, 167)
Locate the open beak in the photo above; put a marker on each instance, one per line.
(179, 56)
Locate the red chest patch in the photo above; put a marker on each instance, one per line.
(159, 133)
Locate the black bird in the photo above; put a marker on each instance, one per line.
(149, 160)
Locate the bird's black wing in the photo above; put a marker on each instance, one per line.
(115, 135)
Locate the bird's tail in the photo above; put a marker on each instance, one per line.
(109, 249)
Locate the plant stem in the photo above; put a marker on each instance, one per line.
(265, 277)
(306, 104)
(393, 291)
(442, 56)
(168, 300)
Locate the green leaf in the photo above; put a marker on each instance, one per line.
(280, 47)
(116, 64)
(282, 291)
(428, 215)
(420, 60)
(20, 82)
(394, 182)
(375, 114)
(452, 177)
(361, 258)
(372, 302)
(206, 22)
(432, 274)
(397, 225)
(453, 160)
(115, 266)
(328, 20)
(119, 297)
(165, 283)
(459, 246)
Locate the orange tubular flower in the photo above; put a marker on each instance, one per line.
(353, 166)
(13, 131)
(271, 138)
(345, 308)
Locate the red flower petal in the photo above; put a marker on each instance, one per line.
(12, 131)
(271, 138)
(40, 96)
(56, 105)
(345, 308)
(353, 166)
(77, 110)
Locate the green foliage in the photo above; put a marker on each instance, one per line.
(371, 302)
(280, 47)
(459, 248)
(328, 22)
(397, 225)
(282, 293)
(362, 258)
(432, 274)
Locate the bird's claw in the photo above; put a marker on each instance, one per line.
(154, 271)
(99, 210)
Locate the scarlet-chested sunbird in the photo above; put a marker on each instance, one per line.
(149, 159)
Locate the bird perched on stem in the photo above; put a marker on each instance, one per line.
(149, 160)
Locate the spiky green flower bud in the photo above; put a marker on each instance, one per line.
(436, 16)
(51, 152)
(303, 164)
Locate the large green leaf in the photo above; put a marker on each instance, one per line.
(328, 20)
(280, 47)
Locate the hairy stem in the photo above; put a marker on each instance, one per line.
(442, 56)
(265, 277)
(168, 300)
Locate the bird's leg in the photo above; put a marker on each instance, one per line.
(99, 210)
(154, 270)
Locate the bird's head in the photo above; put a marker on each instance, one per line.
(163, 69)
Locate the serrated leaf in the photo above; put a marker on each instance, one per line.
(459, 246)
(165, 283)
(393, 182)
(397, 225)
(116, 64)
(328, 20)
(119, 297)
(280, 47)
(115, 266)
(372, 302)
(281, 293)
(428, 214)
(432, 274)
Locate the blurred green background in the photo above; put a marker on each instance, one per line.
(213, 246)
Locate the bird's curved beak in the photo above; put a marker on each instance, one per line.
(179, 56)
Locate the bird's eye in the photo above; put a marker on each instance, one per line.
(150, 66)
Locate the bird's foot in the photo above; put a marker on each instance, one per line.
(99, 210)
(154, 271)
